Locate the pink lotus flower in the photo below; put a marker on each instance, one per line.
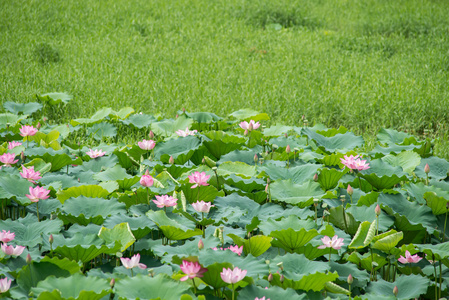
(37, 193)
(6, 236)
(236, 249)
(146, 145)
(165, 201)
(30, 174)
(132, 262)
(27, 130)
(192, 270)
(263, 298)
(146, 180)
(354, 163)
(249, 126)
(13, 144)
(5, 284)
(8, 159)
(186, 132)
(202, 207)
(409, 258)
(232, 276)
(335, 243)
(95, 153)
(199, 179)
(10, 250)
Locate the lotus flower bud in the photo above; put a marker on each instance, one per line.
(288, 149)
(270, 277)
(246, 132)
(447, 205)
(147, 172)
(377, 210)
(315, 177)
(184, 110)
(350, 279)
(51, 239)
(177, 116)
(151, 134)
(29, 259)
(350, 190)
(268, 180)
(45, 119)
(427, 169)
(112, 283)
(281, 279)
(395, 290)
(201, 244)
(171, 160)
(256, 158)
(22, 156)
(38, 125)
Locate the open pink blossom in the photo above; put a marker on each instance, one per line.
(236, 249)
(146, 145)
(202, 207)
(249, 126)
(165, 201)
(232, 276)
(335, 243)
(37, 193)
(8, 159)
(192, 270)
(146, 180)
(27, 130)
(5, 284)
(199, 179)
(95, 153)
(185, 133)
(132, 262)
(6, 236)
(30, 175)
(10, 250)
(13, 144)
(263, 298)
(409, 258)
(354, 163)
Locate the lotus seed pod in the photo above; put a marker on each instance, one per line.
(288, 149)
(201, 244)
(377, 210)
(315, 177)
(28, 259)
(395, 290)
(350, 190)
(427, 169)
(350, 279)
(281, 265)
(171, 160)
(151, 134)
(270, 277)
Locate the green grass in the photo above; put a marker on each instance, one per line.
(361, 64)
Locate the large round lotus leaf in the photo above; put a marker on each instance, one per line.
(58, 159)
(181, 149)
(114, 173)
(173, 229)
(140, 226)
(441, 251)
(405, 289)
(312, 282)
(139, 120)
(296, 194)
(343, 220)
(96, 118)
(387, 241)
(364, 235)
(232, 208)
(168, 127)
(245, 156)
(346, 141)
(120, 233)
(361, 278)
(221, 143)
(24, 108)
(382, 175)
(67, 181)
(277, 130)
(365, 260)
(256, 245)
(290, 222)
(329, 178)
(205, 193)
(298, 174)
(30, 275)
(13, 186)
(175, 254)
(249, 114)
(28, 231)
(247, 185)
(145, 287)
(96, 164)
(273, 293)
(291, 240)
(76, 286)
(101, 130)
(55, 98)
(366, 213)
(437, 204)
(391, 136)
(202, 117)
(439, 168)
(91, 191)
(238, 168)
(407, 160)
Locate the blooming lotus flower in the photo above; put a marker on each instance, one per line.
(10, 250)
(233, 276)
(192, 270)
(27, 130)
(165, 201)
(202, 207)
(146, 145)
(236, 249)
(199, 179)
(354, 163)
(186, 132)
(37, 193)
(146, 180)
(30, 175)
(409, 258)
(335, 243)
(5, 284)
(263, 298)
(6, 236)
(249, 126)
(132, 262)
(13, 144)
(95, 153)
(8, 159)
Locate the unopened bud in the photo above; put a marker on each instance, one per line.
(256, 158)
(377, 210)
(201, 244)
(51, 239)
(112, 283)
(209, 162)
(171, 160)
(303, 117)
(29, 259)
(203, 161)
(184, 110)
(45, 119)
(447, 205)
(315, 177)
(266, 188)
(350, 279)
(281, 279)
(268, 180)
(395, 290)
(427, 169)
(288, 149)
(350, 190)
(38, 125)
(270, 277)
(246, 132)
(22, 156)
(147, 172)
(177, 116)
(286, 135)
(151, 134)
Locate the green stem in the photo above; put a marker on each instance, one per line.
(194, 286)
(233, 291)
(198, 194)
(372, 263)
(444, 230)
(202, 226)
(132, 274)
(377, 224)
(37, 210)
(441, 280)
(330, 252)
(436, 278)
(148, 196)
(350, 196)
(344, 219)
(360, 181)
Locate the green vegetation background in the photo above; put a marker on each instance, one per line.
(361, 64)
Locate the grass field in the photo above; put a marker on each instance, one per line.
(361, 64)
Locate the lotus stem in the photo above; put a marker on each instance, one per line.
(148, 196)
(132, 274)
(344, 218)
(202, 226)
(441, 280)
(194, 286)
(444, 230)
(330, 252)
(233, 292)
(436, 278)
(37, 210)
